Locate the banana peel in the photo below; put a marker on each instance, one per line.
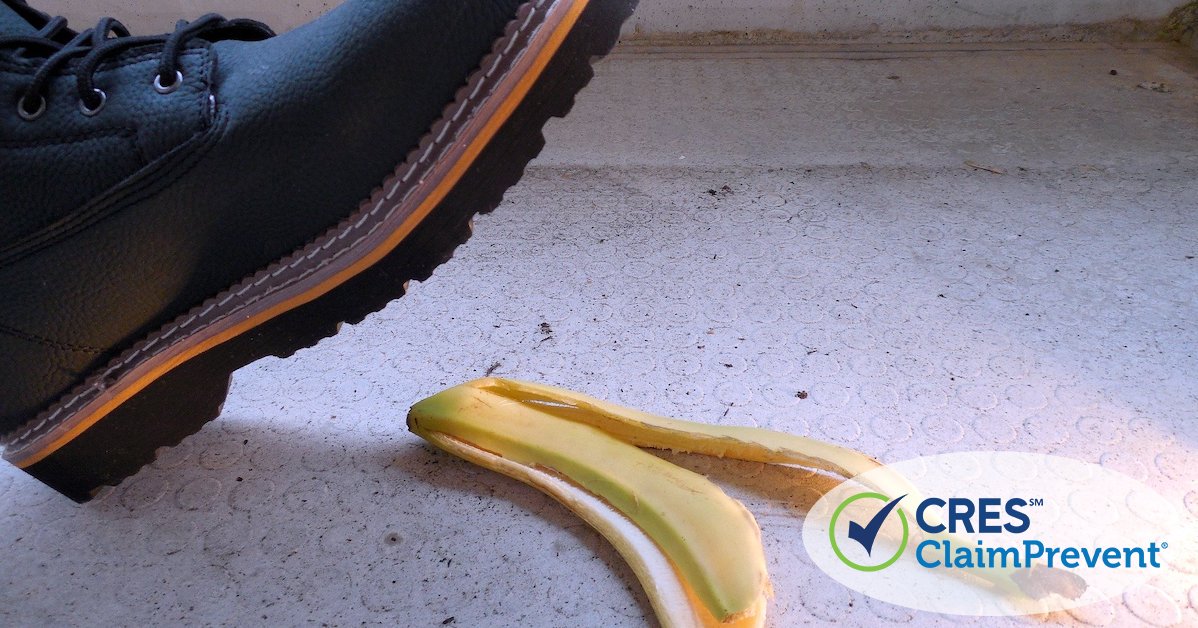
(695, 550)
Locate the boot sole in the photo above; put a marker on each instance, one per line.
(167, 386)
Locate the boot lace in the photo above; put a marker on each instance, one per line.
(109, 37)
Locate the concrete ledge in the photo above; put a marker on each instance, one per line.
(866, 17)
(760, 20)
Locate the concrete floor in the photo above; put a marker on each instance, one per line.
(708, 234)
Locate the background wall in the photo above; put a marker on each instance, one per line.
(692, 16)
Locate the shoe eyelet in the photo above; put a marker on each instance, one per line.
(30, 116)
(91, 111)
(168, 89)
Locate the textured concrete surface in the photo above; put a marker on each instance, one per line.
(690, 16)
(708, 236)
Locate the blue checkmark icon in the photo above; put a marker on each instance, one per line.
(867, 534)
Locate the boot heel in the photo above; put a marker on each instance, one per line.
(161, 415)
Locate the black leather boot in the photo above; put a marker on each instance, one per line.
(174, 207)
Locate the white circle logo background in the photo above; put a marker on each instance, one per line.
(1077, 504)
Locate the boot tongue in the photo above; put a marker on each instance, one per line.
(12, 24)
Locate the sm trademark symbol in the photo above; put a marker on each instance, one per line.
(1035, 501)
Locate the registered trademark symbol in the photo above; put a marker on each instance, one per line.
(1165, 545)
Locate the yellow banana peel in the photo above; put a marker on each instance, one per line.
(696, 551)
